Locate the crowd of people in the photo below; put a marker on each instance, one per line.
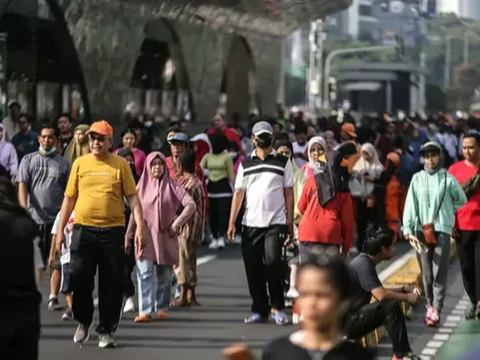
(338, 192)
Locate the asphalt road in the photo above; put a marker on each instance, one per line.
(197, 333)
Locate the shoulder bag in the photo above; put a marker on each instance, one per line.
(429, 229)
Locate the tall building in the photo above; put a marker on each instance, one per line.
(376, 21)
(462, 8)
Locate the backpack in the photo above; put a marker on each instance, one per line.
(407, 168)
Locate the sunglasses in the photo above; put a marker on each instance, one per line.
(100, 138)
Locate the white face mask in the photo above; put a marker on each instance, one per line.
(233, 154)
(148, 123)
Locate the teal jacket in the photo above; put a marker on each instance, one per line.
(424, 195)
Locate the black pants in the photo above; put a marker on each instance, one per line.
(129, 288)
(218, 215)
(369, 317)
(102, 247)
(468, 250)
(364, 216)
(262, 256)
(45, 233)
(19, 332)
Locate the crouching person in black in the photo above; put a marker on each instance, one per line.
(325, 288)
(364, 316)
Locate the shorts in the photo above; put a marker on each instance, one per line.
(65, 282)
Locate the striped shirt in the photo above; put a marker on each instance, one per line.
(264, 182)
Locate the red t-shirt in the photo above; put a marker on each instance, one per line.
(468, 217)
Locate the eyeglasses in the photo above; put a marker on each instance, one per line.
(97, 137)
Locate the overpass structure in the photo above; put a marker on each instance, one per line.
(190, 54)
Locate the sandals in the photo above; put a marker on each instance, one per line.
(280, 318)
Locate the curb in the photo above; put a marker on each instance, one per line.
(408, 274)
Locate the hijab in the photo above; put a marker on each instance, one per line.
(374, 167)
(320, 166)
(74, 150)
(124, 152)
(322, 173)
(160, 198)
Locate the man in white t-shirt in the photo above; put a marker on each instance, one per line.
(64, 259)
(300, 146)
(11, 122)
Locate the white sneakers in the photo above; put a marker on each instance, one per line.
(129, 305)
(217, 243)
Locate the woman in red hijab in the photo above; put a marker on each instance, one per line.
(161, 199)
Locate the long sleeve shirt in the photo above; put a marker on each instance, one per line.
(424, 197)
(331, 224)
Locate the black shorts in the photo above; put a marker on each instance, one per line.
(64, 287)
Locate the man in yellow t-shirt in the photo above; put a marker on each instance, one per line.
(98, 183)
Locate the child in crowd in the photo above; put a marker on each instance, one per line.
(64, 261)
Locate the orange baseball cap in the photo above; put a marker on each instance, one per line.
(101, 127)
(349, 129)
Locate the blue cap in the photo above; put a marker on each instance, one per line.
(180, 137)
(262, 127)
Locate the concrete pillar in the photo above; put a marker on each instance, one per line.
(267, 56)
(108, 40)
(205, 54)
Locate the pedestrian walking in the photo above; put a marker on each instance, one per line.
(167, 208)
(265, 181)
(64, 262)
(467, 172)
(19, 297)
(191, 233)
(79, 144)
(325, 289)
(432, 200)
(96, 189)
(8, 154)
(219, 166)
(42, 178)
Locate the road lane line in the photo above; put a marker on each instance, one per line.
(202, 260)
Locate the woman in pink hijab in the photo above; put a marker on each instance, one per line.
(166, 207)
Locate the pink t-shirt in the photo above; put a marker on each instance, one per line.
(139, 157)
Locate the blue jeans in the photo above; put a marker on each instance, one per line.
(153, 279)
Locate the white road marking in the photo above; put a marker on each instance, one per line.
(429, 351)
(443, 333)
(434, 344)
(202, 260)
(453, 318)
(441, 337)
(445, 330)
(396, 265)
